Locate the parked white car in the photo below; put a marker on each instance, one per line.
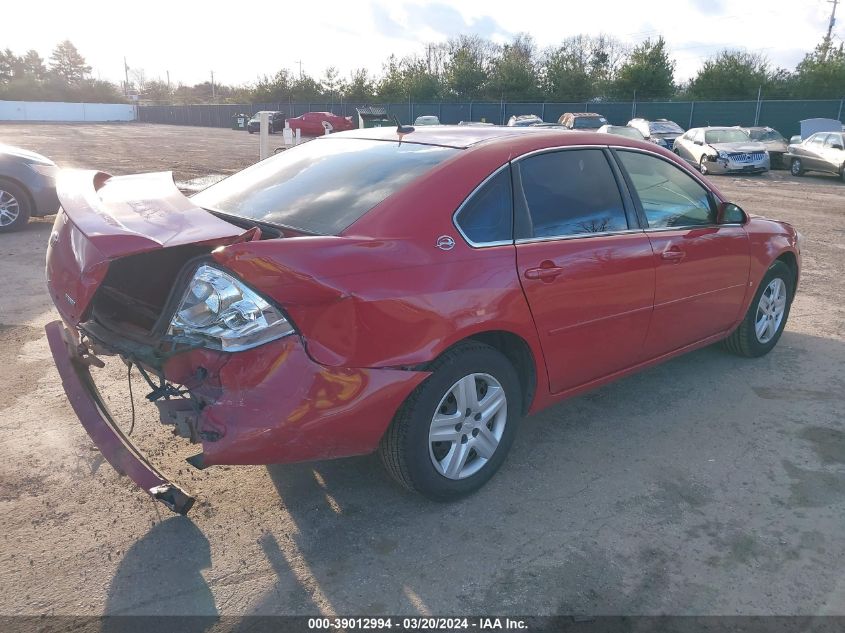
(722, 150)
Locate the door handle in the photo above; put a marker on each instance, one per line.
(545, 273)
(674, 254)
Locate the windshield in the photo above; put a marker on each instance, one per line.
(725, 136)
(766, 135)
(621, 130)
(665, 127)
(588, 122)
(324, 185)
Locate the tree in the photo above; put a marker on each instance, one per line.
(730, 75)
(360, 87)
(514, 73)
(408, 78)
(331, 83)
(33, 65)
(821, 74)
(67, 63)
(566, 71)
(468, 66)
(10, 66)
(648, 73)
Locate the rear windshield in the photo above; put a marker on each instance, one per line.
(324, 185)
(588, 122)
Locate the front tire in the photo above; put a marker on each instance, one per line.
(766, 318)
(454, 431)
(796, 168)
(702, 165)
(15, 207)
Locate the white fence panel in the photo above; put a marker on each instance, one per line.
(61, 111)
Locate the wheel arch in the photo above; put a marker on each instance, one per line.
(789, 258)
(517, 350)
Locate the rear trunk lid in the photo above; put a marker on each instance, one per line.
(105, 218)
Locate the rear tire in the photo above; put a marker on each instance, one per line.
(746, 340)
(796, 168)
(468, 455)
(15, 207)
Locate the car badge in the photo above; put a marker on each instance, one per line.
(445, 243)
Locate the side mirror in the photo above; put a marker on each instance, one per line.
(697, 142)
(730, 213)
(795, 140)
(836, 146)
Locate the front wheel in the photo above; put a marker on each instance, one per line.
(766, 318)
(454, 431)
(702, 165)
(796, 168)
(14, 207)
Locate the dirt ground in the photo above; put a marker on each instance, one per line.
(708, 485)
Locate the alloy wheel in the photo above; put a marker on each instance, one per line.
(701, 166)
(796, 167)
(467, 426)
(770, 310)
(10, 209)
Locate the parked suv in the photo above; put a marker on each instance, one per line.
(582, 120)
(660, 131)
(277, 121)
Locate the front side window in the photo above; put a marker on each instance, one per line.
(569, 192)
(487, 216)
(669, 197)
(833, 139)
(324, 185)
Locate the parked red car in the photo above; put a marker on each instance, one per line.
(313, 123)
(414, 295)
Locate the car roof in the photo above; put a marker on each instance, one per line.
(580, 114)
(457, 136)
(500, 140)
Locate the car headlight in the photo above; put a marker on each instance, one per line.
(226, 314)
(722, 154)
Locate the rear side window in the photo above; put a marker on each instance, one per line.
(487, 216)
(324, 185)
(570, 192)
(669, 197)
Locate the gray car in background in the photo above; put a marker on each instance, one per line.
(722, 150)
(27, 187)
(663, 132)
(774, 141)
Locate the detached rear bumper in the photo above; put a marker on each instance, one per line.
(96, 418)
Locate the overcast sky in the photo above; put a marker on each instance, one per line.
(191, 38)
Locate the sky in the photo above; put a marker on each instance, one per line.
(191, 39)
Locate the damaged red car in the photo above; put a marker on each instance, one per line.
(411, 292)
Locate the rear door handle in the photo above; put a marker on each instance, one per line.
(546, 273)
(673, 255)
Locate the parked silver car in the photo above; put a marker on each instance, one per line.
(823, 152)
(722, 150)
(621, 130)
(27, 187)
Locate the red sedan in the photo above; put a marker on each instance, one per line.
(414, 294)
(314, 123)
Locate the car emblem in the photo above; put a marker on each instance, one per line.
(445, 243)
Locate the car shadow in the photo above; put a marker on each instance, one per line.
(586, 512)
(161, 575)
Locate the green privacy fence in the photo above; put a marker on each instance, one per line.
(781, 115)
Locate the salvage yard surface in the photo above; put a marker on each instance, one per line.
(707, 485)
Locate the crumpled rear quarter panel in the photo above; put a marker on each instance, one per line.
(273, 404)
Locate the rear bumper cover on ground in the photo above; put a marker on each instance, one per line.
(94, 415)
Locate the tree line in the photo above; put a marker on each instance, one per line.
(465, 68)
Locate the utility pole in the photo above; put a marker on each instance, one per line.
(212, 85)
(126, 76)
(300, 67)
(832, 18)
(168, 80)
(827, 40)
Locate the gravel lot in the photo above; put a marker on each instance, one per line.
(708, 485)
